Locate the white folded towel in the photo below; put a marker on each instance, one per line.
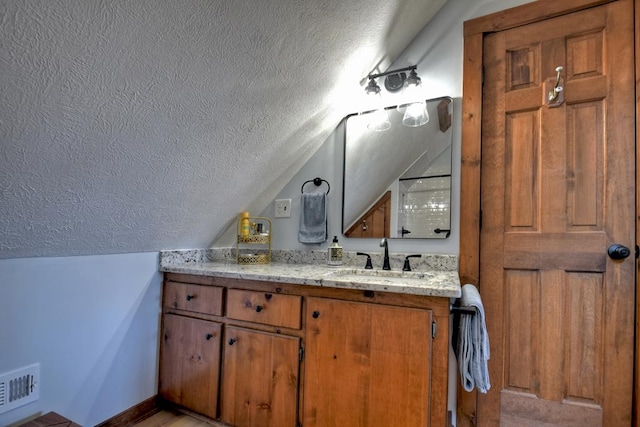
(473, 343)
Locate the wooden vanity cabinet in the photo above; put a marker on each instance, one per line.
(281, 355)
(366, 365)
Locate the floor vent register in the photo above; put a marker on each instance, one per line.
(19, 387)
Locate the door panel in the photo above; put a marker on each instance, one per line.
(557, 189)
(521, 182)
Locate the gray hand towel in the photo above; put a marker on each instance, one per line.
(473, 346)
(313, 218)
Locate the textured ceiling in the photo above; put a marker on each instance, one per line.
(132, 126)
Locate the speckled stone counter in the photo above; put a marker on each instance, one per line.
(421, 281)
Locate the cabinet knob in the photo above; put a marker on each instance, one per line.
(315, 314)
(190, 297)
(232, 341)
(209, 336)
(259, 308)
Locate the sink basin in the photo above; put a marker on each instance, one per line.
(432, 282)
(388, 279)
(378, 274)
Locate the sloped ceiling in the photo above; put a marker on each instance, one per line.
(133, 126)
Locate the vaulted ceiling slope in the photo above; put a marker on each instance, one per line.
(133, 126)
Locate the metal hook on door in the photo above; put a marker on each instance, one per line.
(553, 94)
(553, 90)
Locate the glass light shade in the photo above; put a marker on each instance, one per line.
(416, 114)
(379, 119)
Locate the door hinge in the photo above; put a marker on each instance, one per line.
(300, 354)
(480, 220)
(434, 329)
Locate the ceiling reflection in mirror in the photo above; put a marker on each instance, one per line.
(397, 183)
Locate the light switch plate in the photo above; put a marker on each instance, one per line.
(283, 208)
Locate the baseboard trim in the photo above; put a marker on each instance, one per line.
(135, 414)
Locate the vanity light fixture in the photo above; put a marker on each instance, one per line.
(415, 113)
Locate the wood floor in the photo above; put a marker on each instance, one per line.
(171, 418)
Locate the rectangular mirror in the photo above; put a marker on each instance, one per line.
(397, 182)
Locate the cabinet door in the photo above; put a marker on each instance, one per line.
(366, 365)
(259, 378)
(190, 364)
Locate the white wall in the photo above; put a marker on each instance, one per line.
(91, 322)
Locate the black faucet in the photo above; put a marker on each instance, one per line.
(385, 264)
(368, 265)
(407, 266)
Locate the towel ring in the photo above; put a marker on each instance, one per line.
(318, 182)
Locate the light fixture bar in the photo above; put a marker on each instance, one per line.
(386, 73)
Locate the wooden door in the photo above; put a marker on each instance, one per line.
(259, 379)
(366, 365)
(558, 188)
(376, 222)
(190, 365)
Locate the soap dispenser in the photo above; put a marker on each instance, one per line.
(334, 256)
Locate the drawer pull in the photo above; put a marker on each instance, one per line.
(190, 297)
(232, 341)
(209, 336)
(315, 314)
(268, 296)
(259, 308)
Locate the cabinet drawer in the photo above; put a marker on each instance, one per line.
(196, 298)
(265, 308)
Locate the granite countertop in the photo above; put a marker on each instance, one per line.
(439, 283)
